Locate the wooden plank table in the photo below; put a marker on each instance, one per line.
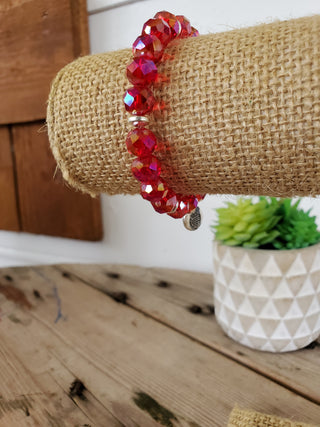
(111, 345)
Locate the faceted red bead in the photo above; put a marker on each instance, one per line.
(154, 191)
(138, 100)
(146, 169)
(141, 142)
(172, 21)
(185, 26)
(148, 46)
(194, 32)
(158, 28)
(142, 71)
(186, 204)
(167, 203)
(200, 197)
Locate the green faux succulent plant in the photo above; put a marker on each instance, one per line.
(297, 229)
(269, 223)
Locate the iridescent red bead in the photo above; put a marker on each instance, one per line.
(141, 142)
(148, 46)
(146, 169)
(167, 203)
(186, 204)
(185, 26)
(139, 100)
(171, 20)
(142, 71)
(194, 32)
(158, 28)
(154, 191)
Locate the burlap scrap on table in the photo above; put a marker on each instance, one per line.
(247, 418)
(241, 115)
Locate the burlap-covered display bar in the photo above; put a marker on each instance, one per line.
(241, 115)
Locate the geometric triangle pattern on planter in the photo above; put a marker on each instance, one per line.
(267, 299)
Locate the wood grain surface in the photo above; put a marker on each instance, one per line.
(74, 355)
(38, 42)
(47, 205)
(37, 38)
(9, 218)
(295, 370)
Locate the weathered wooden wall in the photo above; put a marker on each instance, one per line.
(37, 38)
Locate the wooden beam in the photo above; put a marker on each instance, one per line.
(9, 217)
(79, 14)
(47, 205)
(37, 41)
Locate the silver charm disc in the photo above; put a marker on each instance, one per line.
(192, 221)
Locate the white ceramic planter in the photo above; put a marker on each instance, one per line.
(267, 299)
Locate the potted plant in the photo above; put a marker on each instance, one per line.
(267, 274)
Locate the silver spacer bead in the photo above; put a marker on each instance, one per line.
(138, 119)
(192, 221)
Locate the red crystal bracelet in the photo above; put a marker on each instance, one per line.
(142, 72)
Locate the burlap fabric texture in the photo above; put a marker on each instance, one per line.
(246, 418)
(241, 115)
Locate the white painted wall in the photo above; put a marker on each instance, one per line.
(134, 233)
